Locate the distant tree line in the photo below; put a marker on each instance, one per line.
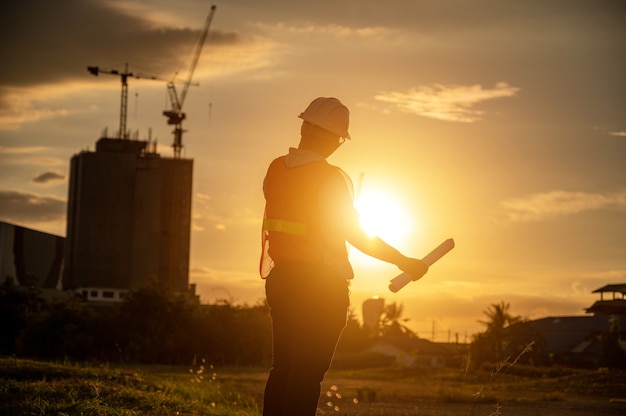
(154, 325)
(151, 325)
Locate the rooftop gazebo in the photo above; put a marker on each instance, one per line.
(614, 304)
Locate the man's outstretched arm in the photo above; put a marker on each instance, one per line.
(343, 218)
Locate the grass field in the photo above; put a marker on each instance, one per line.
(58, 389)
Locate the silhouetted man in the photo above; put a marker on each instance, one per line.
(309, 217)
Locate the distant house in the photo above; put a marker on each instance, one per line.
(418, 352)
(577, 340)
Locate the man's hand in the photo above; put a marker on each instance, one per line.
(415, 267)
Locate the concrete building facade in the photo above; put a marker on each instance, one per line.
(30, 258)
(128, 219)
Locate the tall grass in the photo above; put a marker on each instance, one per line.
(501, 367)
(36, 388)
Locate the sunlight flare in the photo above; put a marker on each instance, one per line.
(382, 215)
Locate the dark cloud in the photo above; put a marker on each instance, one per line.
(438, 17)
(49, 41)
(22, 207)
(48, 177)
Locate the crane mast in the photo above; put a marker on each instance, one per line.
(175, 115)
(94, 70)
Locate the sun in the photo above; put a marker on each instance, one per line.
(382, 215)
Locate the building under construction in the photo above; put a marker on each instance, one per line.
(129, 209)
(128, 220)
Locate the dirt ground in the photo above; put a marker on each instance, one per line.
(400, 402)
(354, 394)
(504, 409)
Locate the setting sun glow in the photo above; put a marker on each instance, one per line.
(382, 215)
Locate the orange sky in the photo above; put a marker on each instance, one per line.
(500, 124)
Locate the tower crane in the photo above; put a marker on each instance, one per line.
(175, 115)
(94, 70)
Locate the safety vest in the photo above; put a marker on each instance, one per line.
(293, 224)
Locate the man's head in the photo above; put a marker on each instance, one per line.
(325, 125)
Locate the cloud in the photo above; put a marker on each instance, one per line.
(26, 207)
(24, 105)
(197, 271)
(618, 133)
(20, 156)
(446, 102)
(540, 206)
(47, 177)
(6, 150)
(87, 33)
(207, 215)
(49, 51)
(332, 29)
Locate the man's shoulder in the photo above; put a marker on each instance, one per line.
(338, 181)
(299, 157)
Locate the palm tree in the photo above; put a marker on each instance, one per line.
(498, 319)
(390, 321)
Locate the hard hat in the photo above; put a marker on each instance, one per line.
(328, 113)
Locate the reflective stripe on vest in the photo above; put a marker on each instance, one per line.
(283, 226)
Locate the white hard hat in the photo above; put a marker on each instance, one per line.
(328, 113)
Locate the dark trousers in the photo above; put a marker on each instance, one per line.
(308, 309)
